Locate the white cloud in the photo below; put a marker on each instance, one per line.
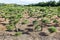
(30, 0)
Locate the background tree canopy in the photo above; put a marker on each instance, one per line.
(49, 3)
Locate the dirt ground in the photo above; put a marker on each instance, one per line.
(27, 30)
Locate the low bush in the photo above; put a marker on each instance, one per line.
(52, 29)
(37, 28)
(25, 22)
(58, 15)
(45, 20)
(18, 33)
(10, 27)
(55, 21)
(35, 22)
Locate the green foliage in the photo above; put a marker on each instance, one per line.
(38, 28)
(52, 29)
(35, 22)
(25, 22)
(58, 15)
(14, 13)
(58, 3)
(18, 33)
(42, 10)
(49, 3)
(58, 10)
(45, 20)
(10, 27)
(55, 21)
(30, 12)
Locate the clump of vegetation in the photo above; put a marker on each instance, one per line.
(35, 22)
(55, 21)
(25, 22)
(52, 29)
(37, 28)
(45, 20)
(18, 33)
(44, 15)
(58, 14)
(42, 10)
(10, 27)
(30, 12)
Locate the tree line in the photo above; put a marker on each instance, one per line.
(49, 3)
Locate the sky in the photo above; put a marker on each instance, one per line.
(24, 2)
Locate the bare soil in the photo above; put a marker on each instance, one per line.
(28, 30)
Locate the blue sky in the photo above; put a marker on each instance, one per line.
(23, 1)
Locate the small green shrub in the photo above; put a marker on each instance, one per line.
(44, 15)
(55, 21)
(45, 20)
(49, 15)
(25, 22)
(38, 28)
(30, 14)
(10, 27)
(52, 29)
(58, 10)
(42, 10)
(58, 15)
(18, 33)
(35, 22)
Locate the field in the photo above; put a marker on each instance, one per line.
(17, 20)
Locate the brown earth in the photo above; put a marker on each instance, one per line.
(28, 30)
